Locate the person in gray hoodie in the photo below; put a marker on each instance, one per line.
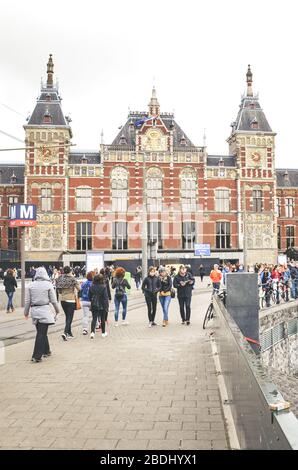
(39, 295)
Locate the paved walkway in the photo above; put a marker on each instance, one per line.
(139, 388)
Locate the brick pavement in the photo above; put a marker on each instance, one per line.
(139, 388)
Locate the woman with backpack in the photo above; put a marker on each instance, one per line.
(10, 285)
(68, 288)
(165, 293)
(99, 301)
(85, 301)
(150, 287)
(120, 284)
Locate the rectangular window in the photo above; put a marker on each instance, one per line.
(188, 235)
(223, 235)
(279, 237)
(84, 200)
(278, 206)
(222, 200)
(289, 207)
(46, 199)
(12, 238)
(290, 236)
(154, 234)
(188, 195)
(154, 195)
(119, 236)
(257, 201)
(84, 236)
(119, 195)
(0, 205)
(12, 200)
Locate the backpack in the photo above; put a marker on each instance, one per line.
(85, 290)
(120, 290)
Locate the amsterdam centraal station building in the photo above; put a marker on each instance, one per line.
(94, 199)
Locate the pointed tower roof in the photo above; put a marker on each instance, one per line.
(154, 108)
(250, 117)
(48, 111)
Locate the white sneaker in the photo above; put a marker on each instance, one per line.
(124, 322)
(116, 323)
(92, 336)
(150, 325)
(85, 332)
(104, 335)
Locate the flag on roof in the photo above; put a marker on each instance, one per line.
(140, 122)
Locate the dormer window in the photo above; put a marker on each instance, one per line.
(84, 160)
(48, 97)
(182, 140)
(13, 179)
(254, 124)
(123, 140)
(47, 117)
(252, 105)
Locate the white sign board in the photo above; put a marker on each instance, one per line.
(282, 259)
(94, 260)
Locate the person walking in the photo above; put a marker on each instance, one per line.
(138, 277)
(216, 277)
(99, 300)
(201, 272)
(85, 301)
(39, 295)
(10, 285)
(184, 283)
(165, 294)
(68, 288)
(120, 284)
(150, 287)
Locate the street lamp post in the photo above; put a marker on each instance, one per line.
(144, 222)
(23, 274)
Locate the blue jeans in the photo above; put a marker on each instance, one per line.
(294, 287)
(165, 301)
(216, 287)
(122, 301)
(10, 296)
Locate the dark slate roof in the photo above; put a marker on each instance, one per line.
(75, 157)
(127, 133)
(8, 169)
(53, 107)
(286, 178)
(246, 115)
(228, 160)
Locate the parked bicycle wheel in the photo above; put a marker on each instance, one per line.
(208, 315)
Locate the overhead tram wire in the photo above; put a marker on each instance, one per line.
(32, 147)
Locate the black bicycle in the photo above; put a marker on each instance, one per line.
(210, 310)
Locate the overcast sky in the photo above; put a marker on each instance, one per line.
(108, 53)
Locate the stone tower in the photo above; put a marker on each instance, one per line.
(252, 141)
(48, 136)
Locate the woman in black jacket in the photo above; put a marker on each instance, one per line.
(150, 288)
(165, 294)
(184, 282)
(10, 285)
(99, 299)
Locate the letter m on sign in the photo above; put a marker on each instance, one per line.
(26, 212)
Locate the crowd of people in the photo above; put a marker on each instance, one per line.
(94, 294)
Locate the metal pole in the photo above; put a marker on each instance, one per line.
(144, 222)
(22, 250)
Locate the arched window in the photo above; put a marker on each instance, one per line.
(257, 200)
(154, 189)
(188, 188)
(119, 184)
(84, 199)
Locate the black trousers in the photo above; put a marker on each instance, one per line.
(41, 345)
(151, 302)
(202, 277)
(101, 316)
(69, 308)
(184, 304)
